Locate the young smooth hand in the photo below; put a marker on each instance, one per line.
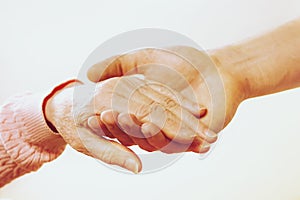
(221, 80)
(192, 80)
(185, 70)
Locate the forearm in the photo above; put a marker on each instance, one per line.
(266, 64)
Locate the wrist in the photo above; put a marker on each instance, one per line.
(59, 106)
(231, 61)
(59, 98)
(61, 112)
(266, 64)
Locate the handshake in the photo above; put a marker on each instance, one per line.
(169, 100)
(160, 100)
(172, 100)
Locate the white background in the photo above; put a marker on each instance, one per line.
(258, 156)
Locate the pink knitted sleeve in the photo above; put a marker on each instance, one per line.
(26, 142)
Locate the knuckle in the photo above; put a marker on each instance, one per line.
(170, 103)
(143, 110)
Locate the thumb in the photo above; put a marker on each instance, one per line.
(109, 151)
(105, 69)
(117, 66)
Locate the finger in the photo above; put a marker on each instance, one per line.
(154, 136)
(157, 139)
(98, 127)
(115, 66)
(106, 69)
(196, 109)
(132, 127)
(173, 127)
(128, 63)
(109, 119)
(176, 122)
(179, 124)
(110, 152)
(204, 132)
(149, 105)
(200, 146)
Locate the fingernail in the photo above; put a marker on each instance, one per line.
(109, 117)
(204, 148)
(131, 165)
(205, 145)
(93, 122)
(210, 133)
(203, 111)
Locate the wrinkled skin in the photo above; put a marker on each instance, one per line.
(158, 115)
(165, 123)
(188, 71)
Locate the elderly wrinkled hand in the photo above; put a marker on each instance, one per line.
(154, 117)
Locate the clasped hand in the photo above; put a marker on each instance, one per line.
(168, 111)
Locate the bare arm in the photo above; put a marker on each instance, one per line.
(266, 64)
